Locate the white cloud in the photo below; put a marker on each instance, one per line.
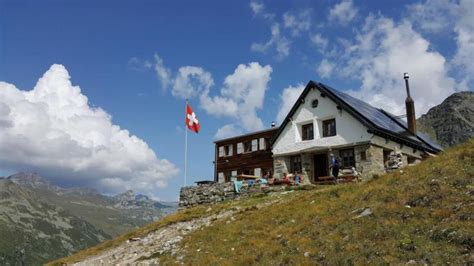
(139, 65)
(228, 131)
(256, 7)
(464, 28)
(343, 13)
(52, 129)
(433, 15)
(297, 22)
(191, 81)
(277, 41)
(241, 96)
(325, 68)
(287, 99)
(382, 52)
(163, 73)
(320, 42)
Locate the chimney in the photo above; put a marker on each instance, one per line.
(410, 106)
(273, 124)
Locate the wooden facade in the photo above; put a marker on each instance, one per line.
(249, 154)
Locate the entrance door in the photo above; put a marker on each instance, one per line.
(320, 166)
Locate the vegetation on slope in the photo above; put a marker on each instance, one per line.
(423, 213)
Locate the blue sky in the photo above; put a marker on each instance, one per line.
(241, 63)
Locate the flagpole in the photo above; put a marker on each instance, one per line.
(186, 146)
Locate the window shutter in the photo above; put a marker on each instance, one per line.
(254, 145)
(240, 148)
(221, 151)
(257, 172)
(220, 177)
(262, 144)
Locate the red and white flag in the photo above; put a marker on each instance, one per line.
(191, 120)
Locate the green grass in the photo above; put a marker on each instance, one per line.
(423, 213)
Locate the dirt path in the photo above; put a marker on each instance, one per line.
(146, 250)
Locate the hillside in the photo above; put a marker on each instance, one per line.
(33, 211)
(421, 214)
(451, 122)
(35, 231)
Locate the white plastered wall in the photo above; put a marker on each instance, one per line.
(348, 129)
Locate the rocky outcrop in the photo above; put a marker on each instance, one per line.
(451, 122)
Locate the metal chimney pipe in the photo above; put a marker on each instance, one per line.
(273, 124)
(410, 107)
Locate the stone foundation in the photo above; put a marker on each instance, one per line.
(217, 192)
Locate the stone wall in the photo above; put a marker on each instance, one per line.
(373, 165)
(217, 192)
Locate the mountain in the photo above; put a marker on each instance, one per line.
(34, 231)
(451, 122)
(97, 217)
(419, 215)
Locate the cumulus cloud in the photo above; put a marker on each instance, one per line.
(191, 81)
(243, 93)
(383, 50)
(464, 28)
(343, 13)
(52, 129)
(297, 22)
(227, 131)
(287, 99)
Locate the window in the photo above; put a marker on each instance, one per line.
(295, 164)
(228, 150)
(314, 103)
(329, 128)
(262, 144)
(411, 160)
(386, 155)
(247, 146)
(254, 144)
(307, 131)
(347, 157)
(363, 156)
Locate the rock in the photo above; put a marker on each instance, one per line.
(306, 254)
(364, 213)
(411, 262)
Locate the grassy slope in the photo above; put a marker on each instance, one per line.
(437, 228)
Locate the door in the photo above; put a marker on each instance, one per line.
(320, 165)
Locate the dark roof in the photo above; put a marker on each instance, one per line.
(378, 121)
(248, 134)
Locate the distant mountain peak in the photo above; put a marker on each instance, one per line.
(451, 122)
(29, 179)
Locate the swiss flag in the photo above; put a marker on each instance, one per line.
(191, 120)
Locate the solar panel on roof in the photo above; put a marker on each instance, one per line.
(382, 119)
(373, 114)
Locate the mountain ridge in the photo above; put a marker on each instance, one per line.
(451, 122)
(100, 217)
